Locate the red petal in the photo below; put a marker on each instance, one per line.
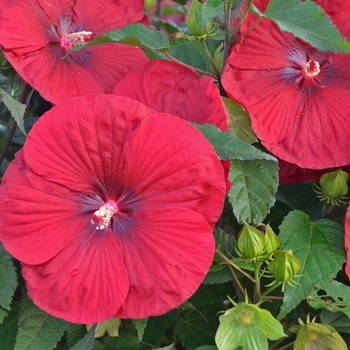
(38, 218)
(37, 56)
(71, 144)
(171, 88)
(164, 168)
(86, 282)
(167, 254)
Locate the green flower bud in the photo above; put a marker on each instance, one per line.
(334, 184)
(110, 326)
(194, 19)
(219, 58)
(318, 336)
(251, 242)
(150, 4)
(272, 241)
(284, 265)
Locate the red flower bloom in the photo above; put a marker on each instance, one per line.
(297, 96)
(36, 35)
(168, 87)
(110, 209)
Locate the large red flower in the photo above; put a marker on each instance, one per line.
(36, 35)
(169, 87)
(110, 209)
(297, 96)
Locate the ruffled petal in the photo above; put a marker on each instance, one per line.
(170, 164)
(38, 218)
(167, 253)
(74, 141)
(86, 282)
(168, 87)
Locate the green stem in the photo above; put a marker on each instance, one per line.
(257, 281)
(241, 20)
(211, 61)
(248, 30)
(188, 66)
(227, 44)
(234, 265)
(267, 291)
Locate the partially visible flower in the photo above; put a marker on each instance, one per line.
(298, 97)
(111, 210)
(168, 87)
(36, 35)
(110, 326)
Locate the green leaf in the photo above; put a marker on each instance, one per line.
(199, 327)
(337, 320)
(87, 342)
(4, 84)
(134, 35)
(240, 123)
(337, 297)
(8, 329)
(75, 332)
(210, 10)
(140, 326)
(320, 247)
(228, 146)
(207, 347)
(253, 185)
(16, 108)
(156, 327)
(191, 53)
(125, 341)
(306, 20)
(8, 279)
(169, 347)
(36, 328)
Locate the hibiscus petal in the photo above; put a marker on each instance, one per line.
(74, 141)
(167, 254)
(39, 59)
(169, 163)
(38, 218)
(86, 282)
(171, 88)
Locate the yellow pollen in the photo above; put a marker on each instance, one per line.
(312, 68)
(102, 216)
(77, 38)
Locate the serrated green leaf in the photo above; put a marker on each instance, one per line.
(8, 279)
(240, 123)
(133, 34)
(228, 146)
(4, 84)
(140, 326)
(191, 53)
(36, 328)
(338, 320)
(337, 297)
(306, 20)
(16, 108)
(199, 327)
(253, 186)
(320, 247)
(87, 342)
(8, 329)
(125, 341)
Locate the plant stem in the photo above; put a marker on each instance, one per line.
(274, 286)
(227, 44)
(257, 281)
(211, 61)
(287, 346)
(235, 266)
(248, 30)
(188, 66)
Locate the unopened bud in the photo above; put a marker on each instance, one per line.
(284, 265)
(194, 21)
(110, 326)
(272, 241)
(251, 242)
(334, 184)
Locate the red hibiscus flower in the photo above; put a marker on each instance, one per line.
(297, 96)
(168, 87)
(110, 209)
(36, 35)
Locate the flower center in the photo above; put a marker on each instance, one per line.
(312, 68)
(101, 217)
(74, 39)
